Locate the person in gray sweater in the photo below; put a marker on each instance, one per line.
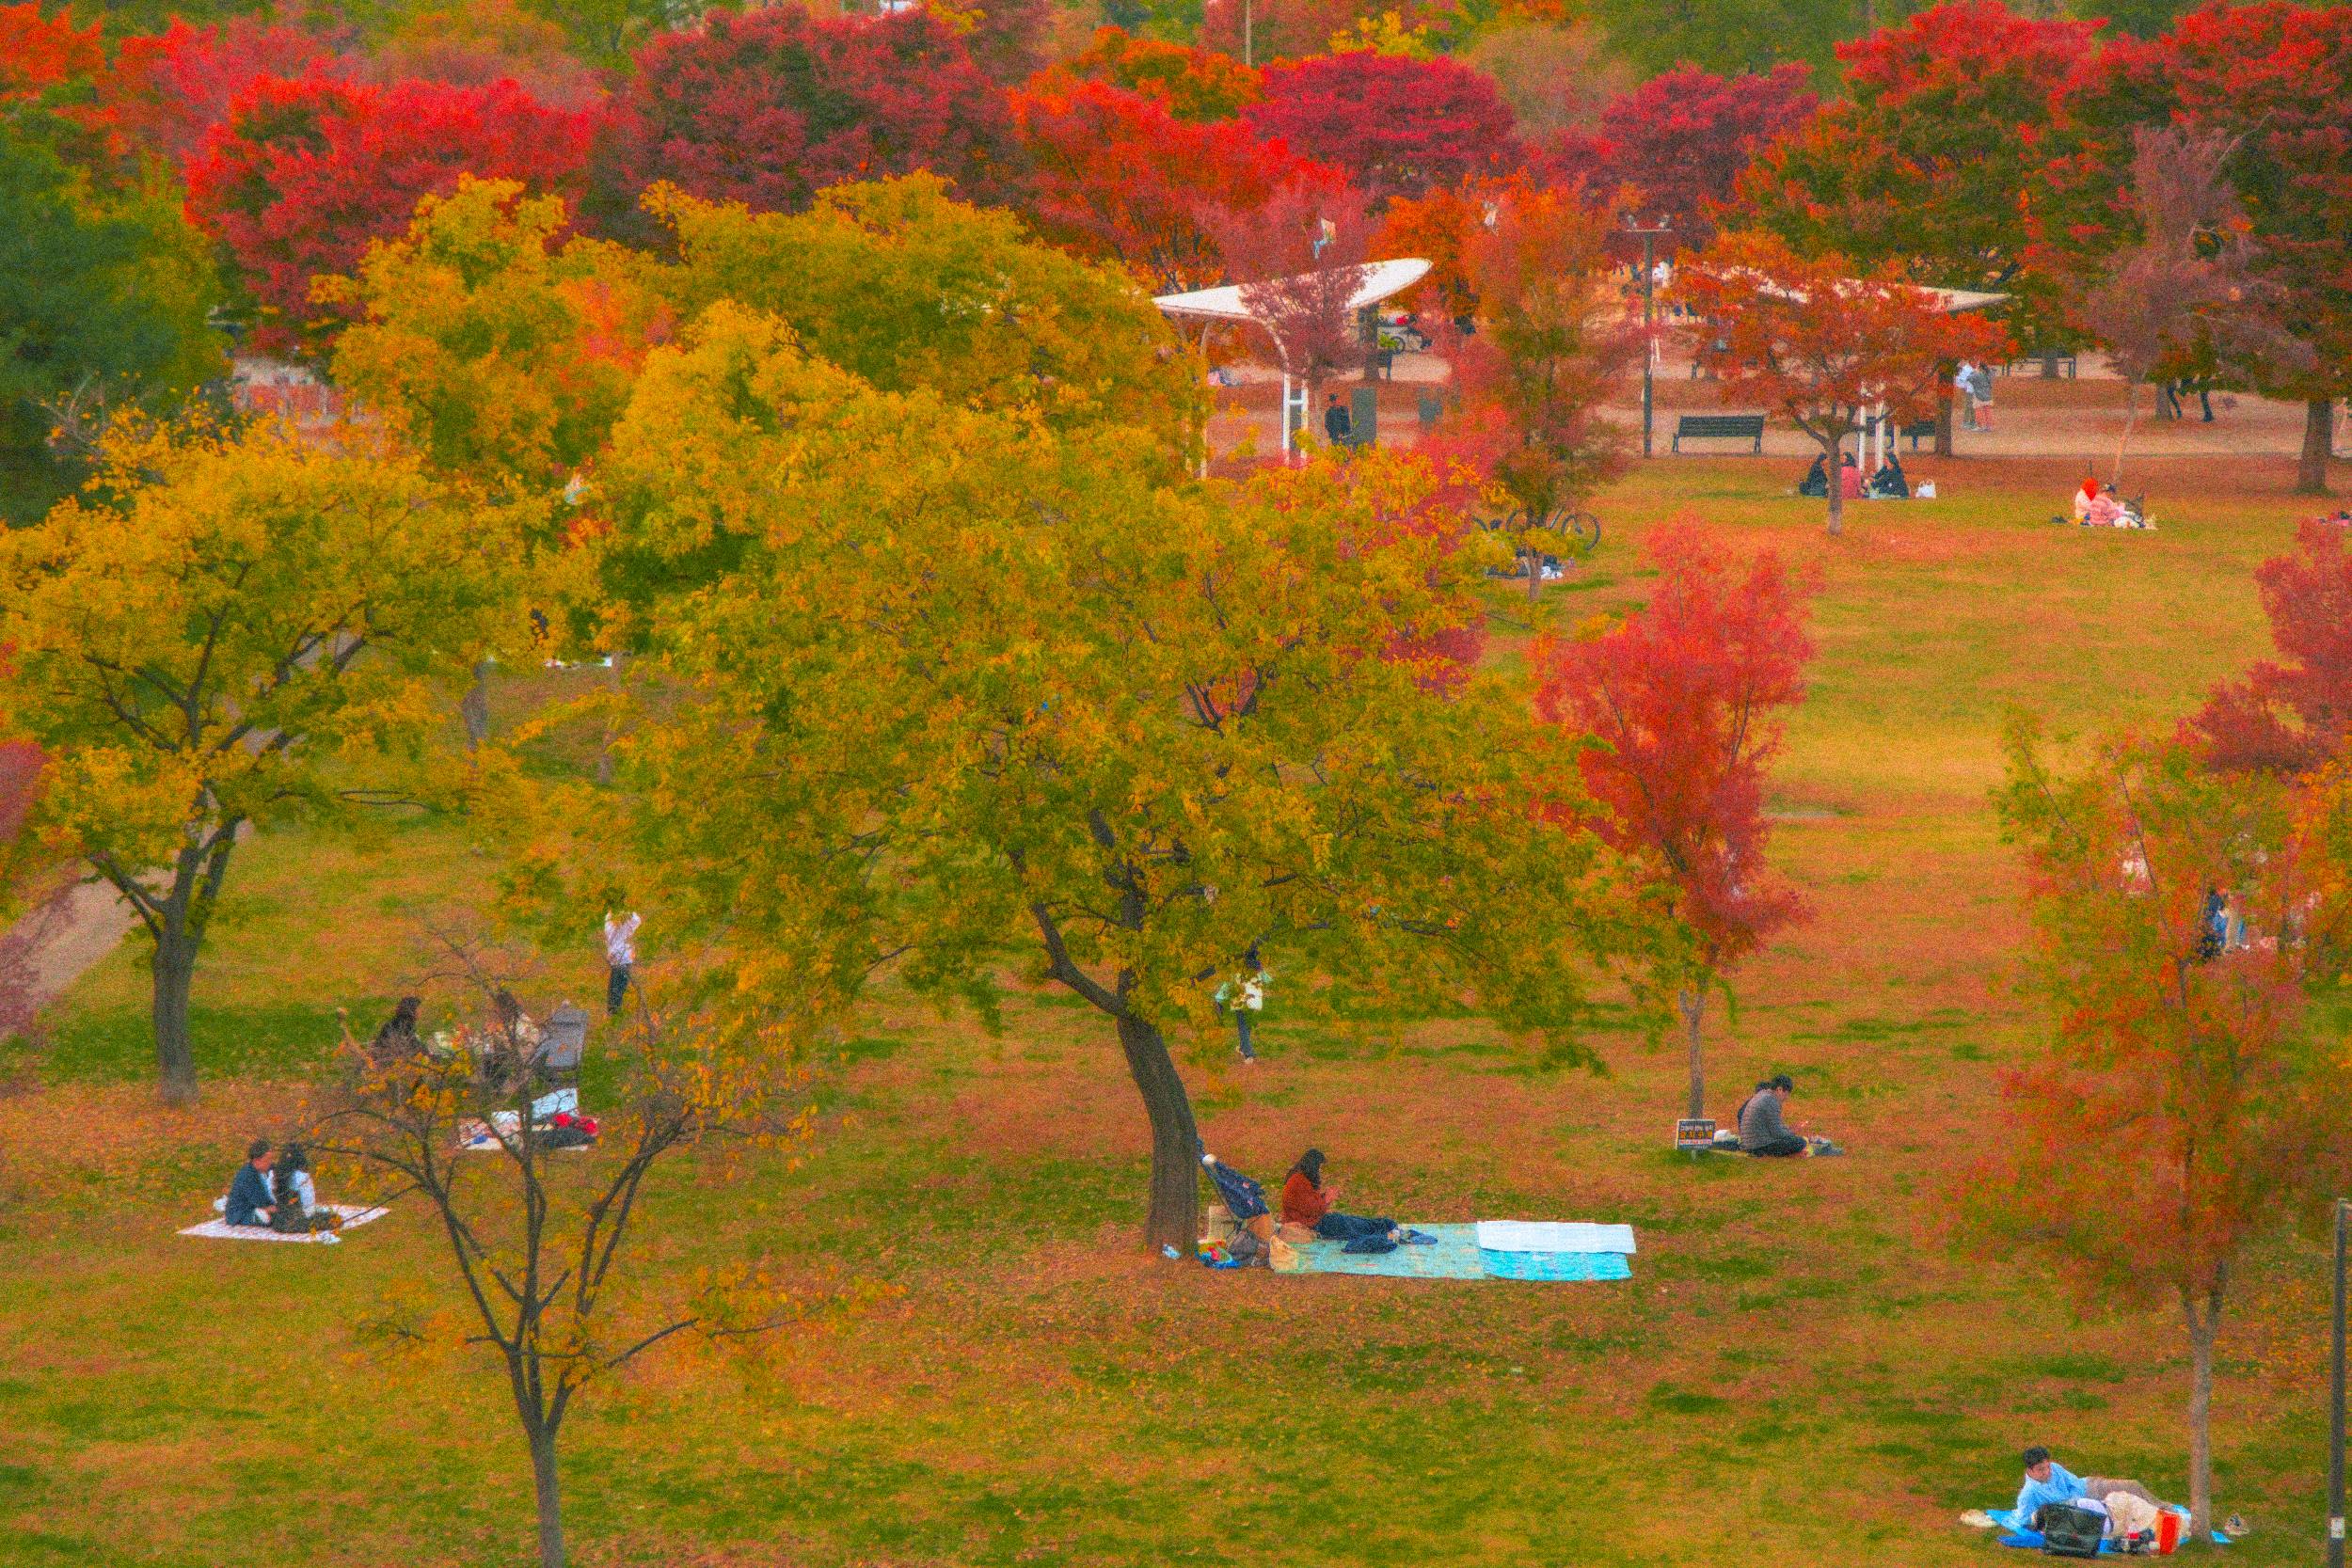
(1762, 1129)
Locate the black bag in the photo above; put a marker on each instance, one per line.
(2070, 1532)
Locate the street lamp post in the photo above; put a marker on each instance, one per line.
(1649, 234)
(2335, 1406)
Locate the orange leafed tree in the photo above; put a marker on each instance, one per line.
(1823, 344)
(2183, 1110)
(1683, 695)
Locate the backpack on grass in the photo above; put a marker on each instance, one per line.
(2070, 1532)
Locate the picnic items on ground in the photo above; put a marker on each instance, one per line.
(348, 1217)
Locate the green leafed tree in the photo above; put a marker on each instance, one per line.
(904, 287)
(103, 302)
(950, 693)
(230, 632)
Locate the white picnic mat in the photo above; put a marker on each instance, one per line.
(221, 1230)
(1553, 1236)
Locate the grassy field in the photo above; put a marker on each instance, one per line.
(1805, 1366)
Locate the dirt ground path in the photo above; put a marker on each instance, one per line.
(2077, 421)
(64, 936)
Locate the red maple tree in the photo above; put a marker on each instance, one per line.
(305, 174)
(2183, 1110)
(1922, 161)
(2291, 716)
(38, 51)
(2270, 78)
(1682, 140)
(1114, 176)
(166, 90)
(1823, 344)
(769, 107)
(1683, 695)
(1395, 126)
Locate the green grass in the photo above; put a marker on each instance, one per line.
(1805, 1366)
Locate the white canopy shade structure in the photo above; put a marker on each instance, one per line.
(1381, 280)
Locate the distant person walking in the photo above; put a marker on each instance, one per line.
(1980, 396)
(1336, 422)
(1965, 393)
(620, 957)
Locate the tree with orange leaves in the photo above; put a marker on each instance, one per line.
(1554, 343)
(1197, 85)
(1823, 344)
(2184, 1109)
(1682, 695)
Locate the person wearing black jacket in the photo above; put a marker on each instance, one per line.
(250, 1201)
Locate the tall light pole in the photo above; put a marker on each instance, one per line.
(1649, 234)
(2335, 1407)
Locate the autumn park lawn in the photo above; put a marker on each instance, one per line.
(1806, 1367)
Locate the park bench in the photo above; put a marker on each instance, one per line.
(1723, 427)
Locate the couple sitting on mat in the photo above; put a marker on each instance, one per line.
(1307, 1201)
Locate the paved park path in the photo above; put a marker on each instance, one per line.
(65, 937)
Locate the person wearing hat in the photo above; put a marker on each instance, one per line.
(2047, 1482)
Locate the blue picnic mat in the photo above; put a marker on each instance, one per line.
(1564, 1266)
(1453, 1256)
(1458, 1256)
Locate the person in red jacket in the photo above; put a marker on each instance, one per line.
(1307, 1200)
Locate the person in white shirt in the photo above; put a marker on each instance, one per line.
(620, 957)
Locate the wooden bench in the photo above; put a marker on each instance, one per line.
(1719, 427)
(1919, 431)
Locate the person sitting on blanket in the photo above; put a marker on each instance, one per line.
(1888, 483)
(250, 1199)
(1762, 1130)
(295, 1198)
(1816, 480)
(2047, 1482)
(1306, 1200)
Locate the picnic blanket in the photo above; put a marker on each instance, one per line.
(2016, 1532)
(1553, 1236)
(1457, 1255)
(221, 1230)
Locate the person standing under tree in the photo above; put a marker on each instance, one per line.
(620, 957)
(1245, 997)
(1337, 422)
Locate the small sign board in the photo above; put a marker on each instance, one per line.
(1692, 1133)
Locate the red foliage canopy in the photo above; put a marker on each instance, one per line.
(2272, 75)
(1114, 176)
(1394, 125)
(305, 174)
(168, 89)
(38, 51)
(770, 106)
(1683, 139)
(1683, 693)
(2294, 716)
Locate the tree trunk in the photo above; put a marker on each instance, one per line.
(2130, 417)
(549, 1499)
(1174, 1219)
(475, 707)
(2319, 438)
(1693, 1000)
(1836, 487)
(175, 976)
(1943, 421)
(2202, 1334)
